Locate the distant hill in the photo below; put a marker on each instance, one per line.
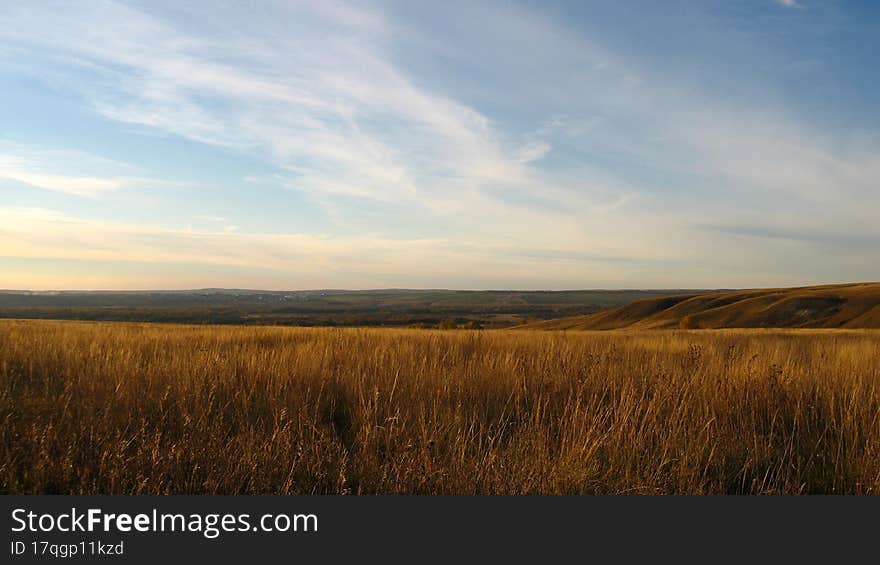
(833, 306)
(327, 307)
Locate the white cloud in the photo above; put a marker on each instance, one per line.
(366, 260)
(118, 252)
(69, 171)
(81, 186)
(314, 89)
(533, 151)
(49, 170)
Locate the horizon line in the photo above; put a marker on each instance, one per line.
(423, 289)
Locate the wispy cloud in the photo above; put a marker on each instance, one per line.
(72, 172)
(68, 171)
(324, 259)
(82, 186)
(321, 98)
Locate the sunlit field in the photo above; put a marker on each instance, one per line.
(161, 409)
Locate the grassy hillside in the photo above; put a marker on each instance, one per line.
(853, 306)
(155, 409)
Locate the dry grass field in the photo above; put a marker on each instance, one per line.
(154, 409)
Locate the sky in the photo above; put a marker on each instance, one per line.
(471, 145)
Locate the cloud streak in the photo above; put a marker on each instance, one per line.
(292, 260)
(66, 171)
(340, 118)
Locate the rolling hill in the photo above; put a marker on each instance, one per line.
(855, 306)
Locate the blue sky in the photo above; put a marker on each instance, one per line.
(439, 144)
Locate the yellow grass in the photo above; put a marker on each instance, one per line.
(129, 408)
